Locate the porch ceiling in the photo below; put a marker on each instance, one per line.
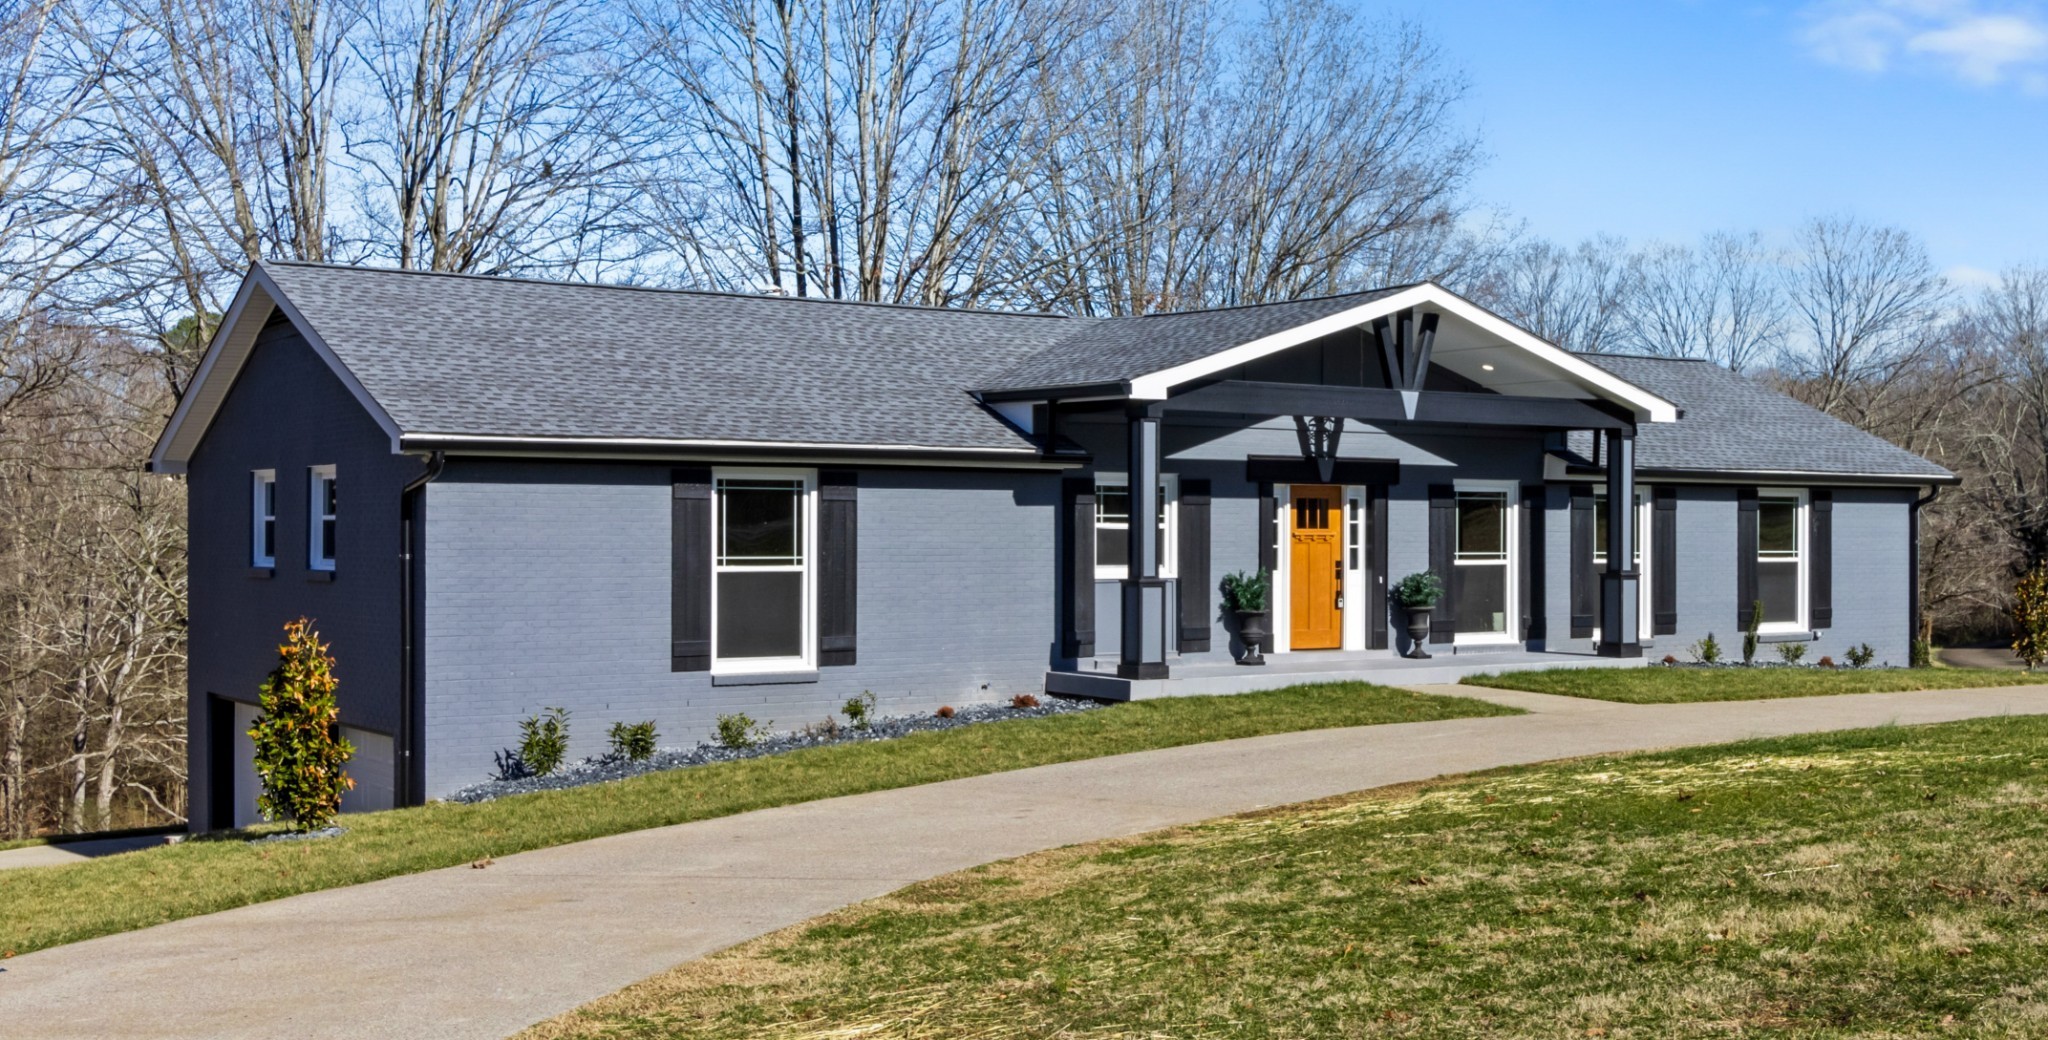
(1375, 405)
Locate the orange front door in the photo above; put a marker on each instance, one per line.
(1316, 577)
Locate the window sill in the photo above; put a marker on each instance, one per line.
(263, 573)
(763, 678)
(320, 577)
(1785, 637)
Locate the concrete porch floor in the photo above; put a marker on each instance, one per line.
(1097, 677)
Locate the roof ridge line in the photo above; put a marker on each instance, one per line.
(1380, 290)
(718, 293)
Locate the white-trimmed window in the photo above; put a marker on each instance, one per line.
(763, 585)
(320, 514)
(1781, 559)
(263, 518)
(1113, 525)
(1483, 567)
(1637, 540)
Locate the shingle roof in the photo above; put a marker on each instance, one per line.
(1114, 350)
(451, 354)
(1735, 424)
(476, 356)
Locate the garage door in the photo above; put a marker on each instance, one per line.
(371, 767)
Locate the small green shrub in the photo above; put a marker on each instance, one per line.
(544, 741)
(299, 749)
(1706, 651)
(1749, 635)
(1247, 591)
(1792, 652)
(859, 710)
(2030, 617)
(1860, 656)
(1419, 591)
(634, 741)
(1921, 653)
(739, 730)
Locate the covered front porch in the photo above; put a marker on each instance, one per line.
(1098, 678)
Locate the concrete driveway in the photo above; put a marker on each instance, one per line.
(482, 953)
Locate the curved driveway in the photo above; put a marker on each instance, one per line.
(482, 953)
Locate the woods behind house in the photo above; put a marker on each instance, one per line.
(1091, 158)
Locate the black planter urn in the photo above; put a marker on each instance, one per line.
(1251, 628)
(1418, 631)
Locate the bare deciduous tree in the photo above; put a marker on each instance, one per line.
(1866, 298)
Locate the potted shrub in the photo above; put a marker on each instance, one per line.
(1247, 594)
(1418, 593)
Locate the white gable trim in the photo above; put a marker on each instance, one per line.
(225, 356)
(1648, 406)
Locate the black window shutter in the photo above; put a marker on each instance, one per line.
(1532, 562)
(1745, 556)
(1269, 547)
(1664, 561)
(1376, 580)
(1585, 581)
(1443, 545)
(1820, 559)
(1195, 609)
(690, 571)
(1077, 638)
(838, 566)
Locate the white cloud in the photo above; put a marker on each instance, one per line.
(1971, 40)
(1969, 277)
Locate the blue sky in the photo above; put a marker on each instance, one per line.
(1668, 118)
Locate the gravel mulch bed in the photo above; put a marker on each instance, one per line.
(607, 768)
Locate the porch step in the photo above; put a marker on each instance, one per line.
(1197, 679)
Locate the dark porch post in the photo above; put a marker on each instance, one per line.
(1143, 645)
(1620, 605)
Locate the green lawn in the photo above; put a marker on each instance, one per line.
(47, 906)
(1660, 685)
(1879, 883)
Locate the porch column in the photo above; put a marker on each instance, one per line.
(1620, 604)
(1143, 643)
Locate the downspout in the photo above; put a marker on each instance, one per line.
(411, 757)
(1913, 563)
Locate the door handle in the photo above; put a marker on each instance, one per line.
(1340, 600)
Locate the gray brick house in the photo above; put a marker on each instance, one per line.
(497, 495)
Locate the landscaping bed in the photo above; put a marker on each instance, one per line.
(1888, 882)
(610, 767)
(1686, 683)
(46, 906)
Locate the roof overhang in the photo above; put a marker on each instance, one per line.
(254, 303)
(1559, 469)
(1558, 371)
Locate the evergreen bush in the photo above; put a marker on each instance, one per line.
(300, 753)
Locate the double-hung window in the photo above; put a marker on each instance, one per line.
(1639, 529)
(762, 579)
(1482, 572)
(263, 518)
(320, 514)
(1781, 559)
(1113, 526)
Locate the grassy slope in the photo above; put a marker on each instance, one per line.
(1887, 882)
(1657, 685)
(47, 906)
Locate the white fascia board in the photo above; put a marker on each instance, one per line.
(1647, 406)
(232, 343)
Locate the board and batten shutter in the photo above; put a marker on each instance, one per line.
(1585, 581)
(1664, 561)
(1745, 556)
(1820, 559)
(1193, 566)
(838, 566)
(1077, 629)
(690, 570)
(1531, 548)
(1443, 548)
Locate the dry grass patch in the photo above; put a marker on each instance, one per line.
(1885, 883)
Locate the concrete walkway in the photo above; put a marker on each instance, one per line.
(55, 855)
(482, 953)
